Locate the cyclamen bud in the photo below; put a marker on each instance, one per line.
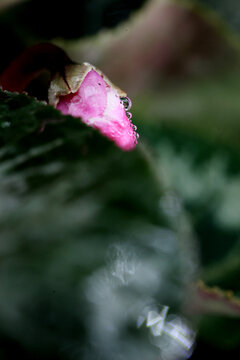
(87, 93)
(79, 90)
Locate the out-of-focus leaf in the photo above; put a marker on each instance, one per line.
(207, 108)
(200, 171)
(220, 312)
(214, 301)
(193, 167)
(91, 245)
(165, 39)
(225, 272)
(228, 9)
(193, 130)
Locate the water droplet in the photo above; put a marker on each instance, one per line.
(129, 115)
(126, 103)
(136, 137)
(134, 127)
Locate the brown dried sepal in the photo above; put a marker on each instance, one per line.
(72, 80)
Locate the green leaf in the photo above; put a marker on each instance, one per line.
(228, 10)
(149, 40)
(214, 301)
(89, 238)
(193, 130)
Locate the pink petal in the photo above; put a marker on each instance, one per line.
(100, 106)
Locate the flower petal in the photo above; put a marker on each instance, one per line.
(99, 105)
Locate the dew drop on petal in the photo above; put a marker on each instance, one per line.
(126, 103)
(136, 137)
(129, 115)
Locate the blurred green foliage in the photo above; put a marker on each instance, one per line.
(228, 10)
(83, 238)
(67, 193)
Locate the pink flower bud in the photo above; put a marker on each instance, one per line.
(88, 94)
